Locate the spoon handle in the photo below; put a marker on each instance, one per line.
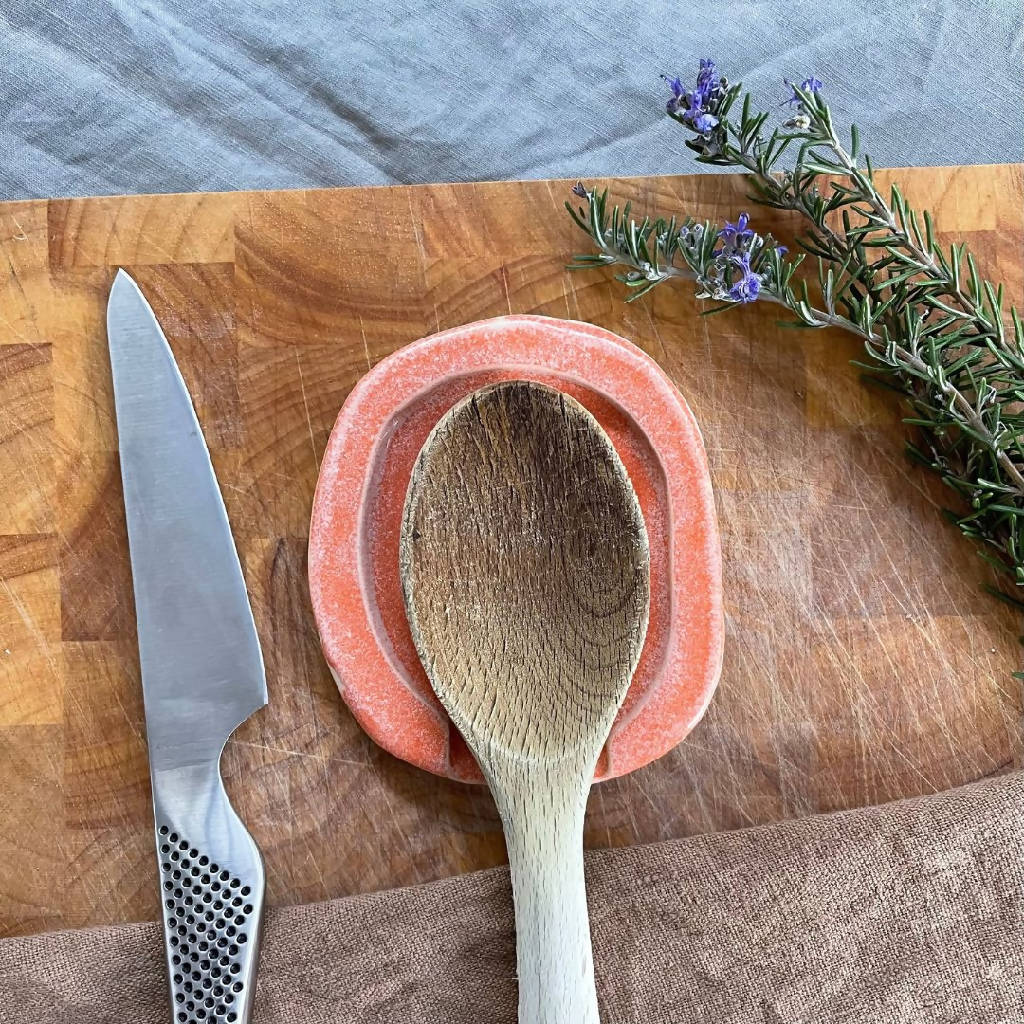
(544, 835)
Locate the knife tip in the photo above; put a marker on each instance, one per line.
(122, 279)
(124, 295)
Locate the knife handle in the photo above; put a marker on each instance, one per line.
(212, 883)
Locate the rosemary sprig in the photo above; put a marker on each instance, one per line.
(933, 328)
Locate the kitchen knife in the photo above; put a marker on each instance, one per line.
(202, 670)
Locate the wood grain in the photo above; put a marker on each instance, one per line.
(862, 661)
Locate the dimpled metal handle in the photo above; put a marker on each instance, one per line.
(212, 883)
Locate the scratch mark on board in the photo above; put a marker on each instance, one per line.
(504, 283)
(366, 346)
(305, 406)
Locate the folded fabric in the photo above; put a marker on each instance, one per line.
(173, 95)
(910, 912)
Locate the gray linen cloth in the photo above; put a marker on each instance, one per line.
(111, 96)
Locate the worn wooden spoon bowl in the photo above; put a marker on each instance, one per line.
(525, 571)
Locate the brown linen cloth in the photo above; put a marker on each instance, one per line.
(911, 912)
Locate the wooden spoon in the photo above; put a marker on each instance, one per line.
(525, 571)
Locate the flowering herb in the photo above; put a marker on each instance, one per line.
(933, 329)
(694, 106)
(807, 85)
(736, 236)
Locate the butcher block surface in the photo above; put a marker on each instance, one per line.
(863, 663)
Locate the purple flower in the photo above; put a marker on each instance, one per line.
(747, 288)
(706, 79)
(811, 84)
(699, 118)
(697, 104)
(735, 236)
(678, 96)
(579, 189)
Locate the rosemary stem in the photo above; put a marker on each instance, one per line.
(932, 326)
(953, 394)
(925, 262)
(963, 405)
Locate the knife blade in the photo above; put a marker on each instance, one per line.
(202, 670)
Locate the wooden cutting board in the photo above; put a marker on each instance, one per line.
(863, 663)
